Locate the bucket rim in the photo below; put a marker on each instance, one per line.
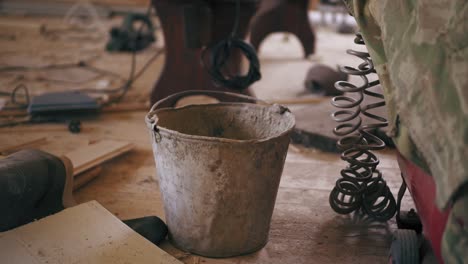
(151, 124)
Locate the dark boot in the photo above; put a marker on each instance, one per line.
(33, 184)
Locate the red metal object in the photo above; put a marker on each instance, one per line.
(423, 191)
(182, 70)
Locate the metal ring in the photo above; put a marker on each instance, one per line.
(157, 135)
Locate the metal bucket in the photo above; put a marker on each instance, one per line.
(219, 168)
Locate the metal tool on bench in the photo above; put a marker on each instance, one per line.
(129, 38)
(70, 107)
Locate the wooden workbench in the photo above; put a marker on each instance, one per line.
(304, 229)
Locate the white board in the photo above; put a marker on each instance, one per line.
(86, 233)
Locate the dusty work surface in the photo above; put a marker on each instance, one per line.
(303, 230)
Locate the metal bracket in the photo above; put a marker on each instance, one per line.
(407, 219)
(157, 135)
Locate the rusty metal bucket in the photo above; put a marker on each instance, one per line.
(219, 168)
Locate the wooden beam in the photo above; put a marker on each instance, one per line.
(9, 148)
(82, 179)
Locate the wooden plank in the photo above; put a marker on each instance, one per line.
(13, 113)
(92, 155)
(126, 107)
(85, 177)
(9, 148)
(86, 233)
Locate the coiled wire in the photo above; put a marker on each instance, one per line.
(219, 53)
(361, 186)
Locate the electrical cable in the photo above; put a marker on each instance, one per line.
(133, 76)
(15, 123)
(123, 89)
(14, 95)
(80, 64)
(15, 92)
(220, 52)
(36, 68)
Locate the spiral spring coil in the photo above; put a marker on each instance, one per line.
(361, 187)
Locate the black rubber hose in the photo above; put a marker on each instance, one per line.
(219, 54)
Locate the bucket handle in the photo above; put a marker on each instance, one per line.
(221, 96)
(171, 100)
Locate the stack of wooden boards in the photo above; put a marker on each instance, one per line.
(89, 157)
(86, 160)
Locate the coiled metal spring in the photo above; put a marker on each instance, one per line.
(361, 187)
